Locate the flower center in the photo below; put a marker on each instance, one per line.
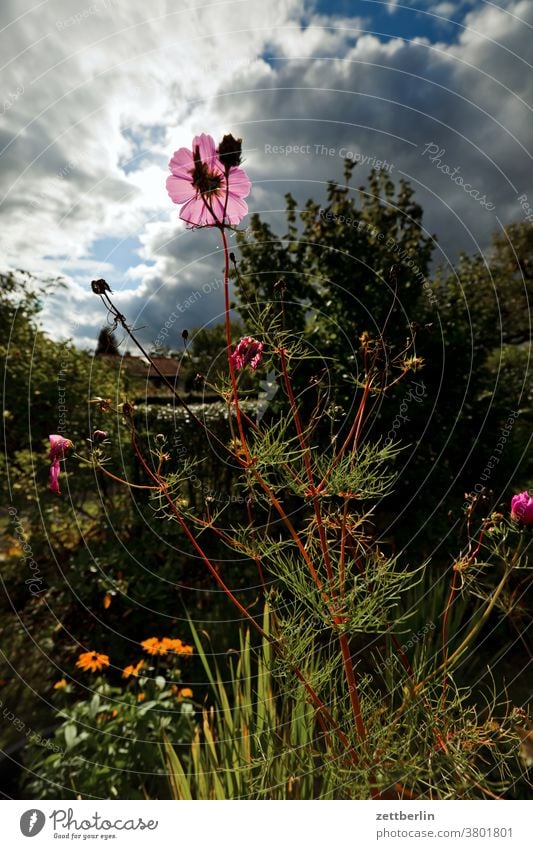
(205, 182)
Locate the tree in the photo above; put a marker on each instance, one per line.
(340, 270)
(358, 268)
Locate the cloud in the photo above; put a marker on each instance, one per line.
(97, 96)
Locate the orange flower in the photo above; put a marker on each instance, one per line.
(154, 646)
(186, 693)
(107, 601)
(92, 661)
(132, 670)
(141, 697)
(166, 645)
(61, 684)
(176, 646)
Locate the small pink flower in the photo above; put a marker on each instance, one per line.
(249, 352)
(58, 446)
(522, 508)
(211, 193)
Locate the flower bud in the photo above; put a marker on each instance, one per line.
(99, 435)
(249, 352)
(230, 151)
(99, 287)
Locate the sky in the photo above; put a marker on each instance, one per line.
(96, 96)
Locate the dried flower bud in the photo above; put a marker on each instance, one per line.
(99, 435)
(127, 409)
(103, 403)
(99, 287)
(160, 438)
(230, 151)
(185, 335)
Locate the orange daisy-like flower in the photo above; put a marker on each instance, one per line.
(166, 645)
(154, 646)
(61, 684)
(186, 693)
(132, 670)
(92, 661)
(141, 697)
(177, 646)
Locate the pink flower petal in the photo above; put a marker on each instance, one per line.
(180, 190)
(236, 209)
(196, 213)
(522, 508)
(182, 163)
(58, 446)
(239, 183)
(207, 147)
(54, 475)
(248, 352)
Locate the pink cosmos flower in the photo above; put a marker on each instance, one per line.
(58, 446)
(522, 508)
(211, 192)
(249, 352)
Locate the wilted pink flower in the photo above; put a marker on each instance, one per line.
(211, 193)
(249, 352)
(522, 508)
(58, 446)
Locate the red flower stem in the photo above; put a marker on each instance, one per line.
(255, 555)
(223, 536)
(453, 590)
(125, 482)
(352, 686)
(342, 559)
(264, 486)
(360, 415)
(345, 649)
(469, 637)
(315, 698)
(163, 488)
(479, 543)
(348, 665)
(354, 430)
(228, 344)
(307, 462)
(445, 618)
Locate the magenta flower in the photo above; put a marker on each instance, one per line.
(522, 508)
(249, 352)
(58, 446)
(211, 192)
